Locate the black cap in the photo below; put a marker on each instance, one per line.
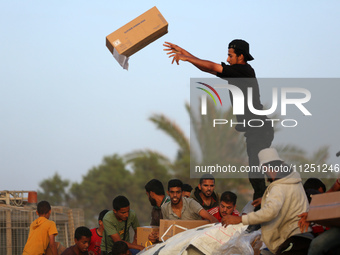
(242, 46)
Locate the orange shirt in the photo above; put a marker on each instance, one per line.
(39, 236)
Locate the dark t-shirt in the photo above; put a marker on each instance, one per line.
(243, 77)
(236, 71)
(215, 199)
(156, 213)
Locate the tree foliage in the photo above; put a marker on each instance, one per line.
(100, 185)
(55, 190)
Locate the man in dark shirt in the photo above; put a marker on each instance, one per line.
(242, 75)
(205, 193)
(155, 192)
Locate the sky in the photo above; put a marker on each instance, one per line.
(66, 103)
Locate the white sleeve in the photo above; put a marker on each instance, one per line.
(269, 210)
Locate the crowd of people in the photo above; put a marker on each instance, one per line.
(282, 216)
(280, 209)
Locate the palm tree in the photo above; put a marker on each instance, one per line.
(180, 167)
(220, 144)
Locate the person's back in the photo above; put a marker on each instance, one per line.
(42, 232)
(156, 195)
(282, 202)
(288, 194)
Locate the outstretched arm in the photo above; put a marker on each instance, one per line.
(177, 53)
(207, 216)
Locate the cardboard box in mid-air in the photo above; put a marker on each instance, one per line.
(138, 33)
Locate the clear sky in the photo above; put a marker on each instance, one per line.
(66, 103)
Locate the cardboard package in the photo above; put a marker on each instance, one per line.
(143, 234)
(324, 209)
(173, 229)
(138, 33)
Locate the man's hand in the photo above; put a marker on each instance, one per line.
(303, 223)
(175, 52)
(173, 48)
(153, 237)
(257, 202)
(177, 57)
(231, 220)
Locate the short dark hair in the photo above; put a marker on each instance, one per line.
(175, 183)
(207, 177)
(155, 186)
(119, 248)
(82, 231)
(102, 214)
(314, 183)
(186, 187)
(43, 207)
(238, 53)
(120, 202)
(229, 197)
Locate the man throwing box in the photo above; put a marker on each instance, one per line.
(257, 138)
